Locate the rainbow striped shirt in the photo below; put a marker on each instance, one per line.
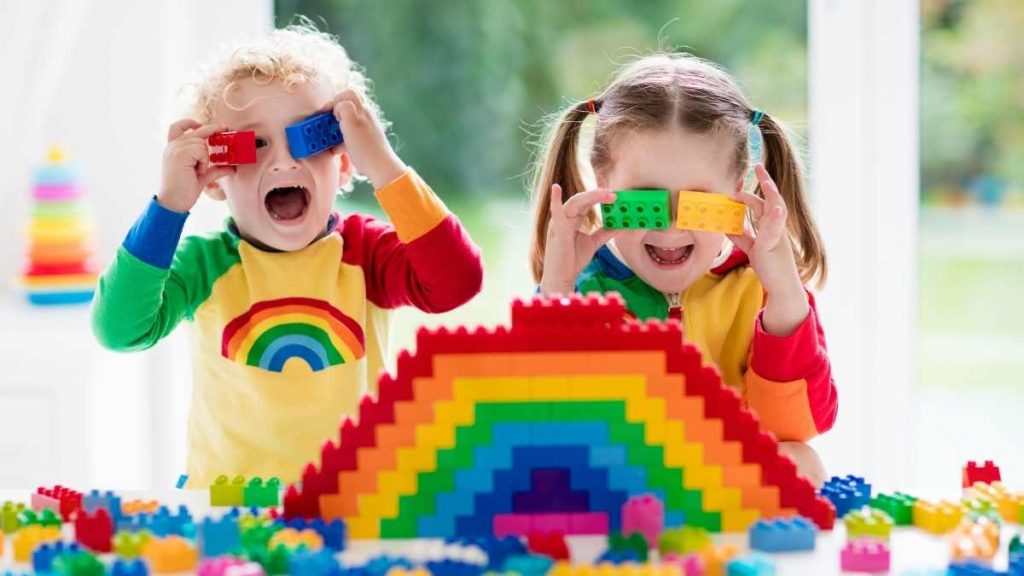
(284, 343)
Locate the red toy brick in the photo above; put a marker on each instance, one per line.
(986, 473)
(233, 148)
(96, 531)
(551, 544)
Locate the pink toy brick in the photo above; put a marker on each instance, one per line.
(689, 565)
(551, 523)
(588, 523)
(644, 514)
(986, 473)
(865, 555)
(512, 525)
(234, 566)
(233, 148)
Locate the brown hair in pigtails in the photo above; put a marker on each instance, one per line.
(783, 164)
(559, 165)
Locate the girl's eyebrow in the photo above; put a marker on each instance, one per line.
(249, 126)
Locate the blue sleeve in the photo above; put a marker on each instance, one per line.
(154, 236)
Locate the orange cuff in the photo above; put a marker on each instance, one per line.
(412, 206)
(782, 407)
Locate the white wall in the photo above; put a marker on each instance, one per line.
(97, 78)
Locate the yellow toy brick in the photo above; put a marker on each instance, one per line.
(1007, 503)
(26, 540)
(291, 538)
(868, 522)
(716, 558)
(171, 554)
(709, 212)
(937, 518)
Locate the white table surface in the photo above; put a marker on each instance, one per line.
(912, 550)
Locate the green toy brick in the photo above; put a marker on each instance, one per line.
(638, 209)
(635, 543)
(45, 518)
(79, 564)
(9, 521)
(260, 494)
(228, 492)
(899, 506)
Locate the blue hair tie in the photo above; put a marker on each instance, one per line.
(756, 117)
(755, 143)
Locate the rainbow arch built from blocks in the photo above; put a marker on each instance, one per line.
(551, 424)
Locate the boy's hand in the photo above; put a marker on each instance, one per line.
(187, 169)
(365, 140)
(568, 250)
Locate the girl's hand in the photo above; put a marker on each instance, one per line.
(364, 139)
(568, 250)
(186, 168)
(771, 256)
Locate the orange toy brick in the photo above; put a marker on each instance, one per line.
(133, 507)
(977, 538)
(171, 554)
(291, 538)
(709, 212)
(986, 473)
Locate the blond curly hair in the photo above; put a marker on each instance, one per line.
(294, 55)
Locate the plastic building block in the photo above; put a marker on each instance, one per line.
(527, 565)
(106, 500)
(971, 567)
(28, 538)
(128, 545)
(233, 148)
(133, 507)
(644, 514)
(133, 567)
(293, 539)
(716, 558)
(868, 522)
(975, 506)
(617, 557)
(79, 563)
(331, 533)
(313, 135)
(638, 209)
(847, 493)
(227, 565)
(95, 531)
(45, 518)
(227, 492)
(937, 518)
(182, 480)
(550, 544)
(171, 554)
(59, 498)
(688, 565)
(783, 535)
(9, 513)
(750, 566)
(1008, 503)
(684, 540)
(869, 555)
(987, 473)
(899, 507)
(258, 493)
(43, 556)
(709, 212)
(635, 543)
(320, 563)
(977, 538)
(218, 537)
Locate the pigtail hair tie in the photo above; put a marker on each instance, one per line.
(592, 106)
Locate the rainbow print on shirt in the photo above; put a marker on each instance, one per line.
(273, 332)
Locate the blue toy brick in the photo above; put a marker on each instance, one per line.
(847, 493)
(44, 555)
(528, 565)
(313, 135)
(134, 567)
(512, 434)
(218, 537)
(109, 501)
(475, 479)
(607, 456)
(449, 567)
(750, 566)
(181, 481)
(972, 568)
(674, 518)
(436, 526)
(492, 457)
(306, 563)
(783, 535)
(618, 557)
(381, 565)
(332, 533)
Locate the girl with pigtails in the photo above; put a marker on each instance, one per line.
(677, 122)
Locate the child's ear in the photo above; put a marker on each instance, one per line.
(214, 190)
(345, 171)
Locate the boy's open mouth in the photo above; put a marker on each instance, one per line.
(669, 256)
(287, 203)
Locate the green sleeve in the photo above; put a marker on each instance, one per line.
(137, 304)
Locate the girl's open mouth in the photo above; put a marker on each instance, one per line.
(669, 256)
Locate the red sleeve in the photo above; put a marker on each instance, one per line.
(426, 259)
(789, 382)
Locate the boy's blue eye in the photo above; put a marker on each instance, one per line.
(261, 143)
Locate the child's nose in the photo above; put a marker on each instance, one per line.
(281, 159)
